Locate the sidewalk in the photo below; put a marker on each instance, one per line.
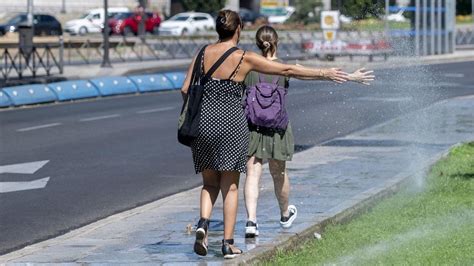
(330, 183)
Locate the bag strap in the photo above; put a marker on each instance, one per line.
(197, 69)
(221, 60)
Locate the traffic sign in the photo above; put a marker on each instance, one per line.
(329, 35)
(330, 20)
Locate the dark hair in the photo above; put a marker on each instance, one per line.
(266, 39)
(227, 22)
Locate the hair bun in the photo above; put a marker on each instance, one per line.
(266, 44)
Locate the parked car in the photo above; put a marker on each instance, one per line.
(250, 16)
(345, 19)
(397, 17)
(129, 25)
(43, 24)
(278, 19)
(187, 23)
(115, 22)
(92, 21)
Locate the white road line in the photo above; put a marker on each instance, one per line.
(156, 110)
(38, 127)
(454, 75)
(98, 118)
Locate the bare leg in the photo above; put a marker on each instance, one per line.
(230, 196)
(281, 184)
(210, 191)
(254, 172)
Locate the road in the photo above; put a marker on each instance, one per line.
(107, 155)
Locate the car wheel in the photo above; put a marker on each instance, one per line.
(83, 31)
(330, 57)
(127, 31)
(156, 30)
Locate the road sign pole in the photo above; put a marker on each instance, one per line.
(387, 6)
(141, 25)
(106, 59)
(417, 27)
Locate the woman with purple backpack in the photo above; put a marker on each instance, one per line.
(271, 136)
(220, 148)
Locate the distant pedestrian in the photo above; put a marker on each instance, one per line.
(271, 139)
(220, 149)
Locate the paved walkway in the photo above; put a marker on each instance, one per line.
(329, 183)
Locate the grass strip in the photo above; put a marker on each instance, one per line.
(428, 224)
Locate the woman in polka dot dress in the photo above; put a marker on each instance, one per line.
(220, 150)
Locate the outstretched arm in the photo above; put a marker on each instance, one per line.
(362, 76)
(260, 64)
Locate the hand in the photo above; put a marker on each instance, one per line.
(362, 76)
(335, 75)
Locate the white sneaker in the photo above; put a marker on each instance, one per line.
(251, 229)
(286, 222)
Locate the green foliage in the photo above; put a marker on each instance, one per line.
(207, 6)
(463, 7)
(303, 10)
(433, 226)
(362, 9)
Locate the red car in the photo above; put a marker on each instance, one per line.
(115, 23)
(129, 25)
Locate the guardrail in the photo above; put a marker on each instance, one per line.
(46, 58)
(43, 58)
(82, 89)
(465, 38)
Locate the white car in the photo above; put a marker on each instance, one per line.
(187, 23)
(397, 17)
(278, 19)
(92, 21)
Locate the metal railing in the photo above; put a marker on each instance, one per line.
(42, 59)
(45, 58)
(465, 38)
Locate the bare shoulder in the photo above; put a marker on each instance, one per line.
(252, 56)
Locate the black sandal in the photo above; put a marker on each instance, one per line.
(200, 245)
(229, 250)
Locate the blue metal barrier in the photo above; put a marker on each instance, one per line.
(154, 82)
(72, 90)
(114, 85)
(4, 100)
(30, 94)
(177, 78)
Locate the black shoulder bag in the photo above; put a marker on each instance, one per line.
(188, 124)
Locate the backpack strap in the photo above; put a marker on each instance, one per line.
(221, 60)
(275, 80)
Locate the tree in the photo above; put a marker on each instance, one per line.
(207, 6)
(303, 10)
(463, 7)
(361, 9)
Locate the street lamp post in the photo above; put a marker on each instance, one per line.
(106, 59)
(63, 6)
(141, 26)
(386, 26)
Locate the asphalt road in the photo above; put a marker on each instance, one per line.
(108, 155)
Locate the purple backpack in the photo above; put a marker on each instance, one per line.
(265, 104)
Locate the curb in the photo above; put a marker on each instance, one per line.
(340, 214)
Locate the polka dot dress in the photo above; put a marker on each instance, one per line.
(223, 138)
